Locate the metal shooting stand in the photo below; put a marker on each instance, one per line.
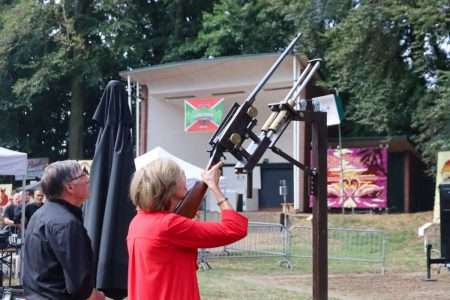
(315, 169)
(236, 137)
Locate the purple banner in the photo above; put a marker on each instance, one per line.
(364, 178)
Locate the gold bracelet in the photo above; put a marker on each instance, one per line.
(222, 201)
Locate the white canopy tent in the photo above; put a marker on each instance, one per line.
(192, 172)
(15, 163)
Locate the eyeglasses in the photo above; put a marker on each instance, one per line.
(79, 176)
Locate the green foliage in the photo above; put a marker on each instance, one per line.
(390, 60)
(365, 56)
(432, 118)
(57, 56)
(240, 27)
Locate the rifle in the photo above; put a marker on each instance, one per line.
(233, 131)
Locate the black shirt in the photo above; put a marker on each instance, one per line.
(18, 214)
(30, 209)
(10, 213)
(57, 260)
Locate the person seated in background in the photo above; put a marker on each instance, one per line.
(34, 205)
(29, 196)
(162, 245)
(4, 200)
(3, 197)
(12, 213)
(19, 206)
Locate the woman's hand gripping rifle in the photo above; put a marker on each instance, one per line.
(190, 204)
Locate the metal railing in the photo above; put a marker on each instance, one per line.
(262, 240)
(344, 244)
(274, 240)
(432, 236)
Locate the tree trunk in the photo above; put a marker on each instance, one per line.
(76, 122)
(178, 26)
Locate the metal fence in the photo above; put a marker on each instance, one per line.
(344, 244)
(273, 240)
(432, 236)
(262, 240)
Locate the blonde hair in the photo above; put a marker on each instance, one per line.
(154, 184)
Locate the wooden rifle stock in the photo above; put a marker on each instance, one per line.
(188, 207)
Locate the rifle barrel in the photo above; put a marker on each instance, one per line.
(269, 73)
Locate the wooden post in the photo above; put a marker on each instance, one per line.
(308, 151)
(319, 145)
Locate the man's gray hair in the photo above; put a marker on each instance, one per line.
(57, 175)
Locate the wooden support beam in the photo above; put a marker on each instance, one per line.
(320, 205)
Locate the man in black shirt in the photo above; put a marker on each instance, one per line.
(9, 216)
(33, 206)
(57, 260)
(13, 212)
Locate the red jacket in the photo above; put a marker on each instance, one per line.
(162, 249)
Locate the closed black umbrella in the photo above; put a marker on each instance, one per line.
(109, 210)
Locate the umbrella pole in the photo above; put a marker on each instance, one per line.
(138, 100)
(22, 228)
(129, 92)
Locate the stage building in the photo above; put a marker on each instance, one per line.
(161, 91)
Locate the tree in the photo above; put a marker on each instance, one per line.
(389, 59)
(431, 54)
(56, 57)
(45, 55)
(21, 40)
(238, 27)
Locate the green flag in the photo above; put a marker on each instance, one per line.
(332, 105)
(203, 115)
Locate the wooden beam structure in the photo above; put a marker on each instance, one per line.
(317, 173)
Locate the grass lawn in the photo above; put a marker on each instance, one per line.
(238, 279)
(405, 266)
(263, 278)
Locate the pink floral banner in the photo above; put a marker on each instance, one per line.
(364, 178)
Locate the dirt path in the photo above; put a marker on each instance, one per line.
(401, 286)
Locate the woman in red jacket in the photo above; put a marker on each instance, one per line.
(162, 246)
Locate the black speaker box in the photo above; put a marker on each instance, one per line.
(444, 197)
